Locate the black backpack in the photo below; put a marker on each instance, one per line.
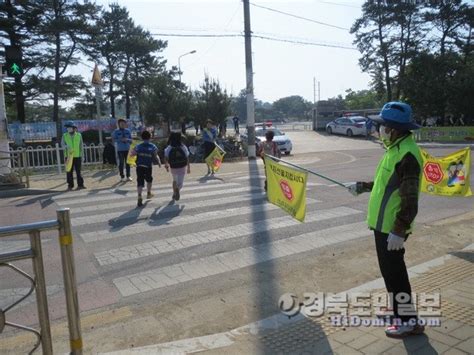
(177, 158)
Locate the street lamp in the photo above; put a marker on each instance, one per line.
(179, 61)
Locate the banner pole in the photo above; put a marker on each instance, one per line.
(307, 170)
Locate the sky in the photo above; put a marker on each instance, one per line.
(280, 69)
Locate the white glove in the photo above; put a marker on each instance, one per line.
(394, 242)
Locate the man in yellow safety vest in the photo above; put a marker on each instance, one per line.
(73, 149)
(393, 205)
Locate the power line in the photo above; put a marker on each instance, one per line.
(299, 17)
(256, 35)
(196, 35)
(303, 42)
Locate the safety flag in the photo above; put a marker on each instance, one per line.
(447, 176)
(286, 188)
(69, 161)
(132, 160)
(215, 158)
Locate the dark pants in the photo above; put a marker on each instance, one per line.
(236, 127)
(122, 155)
(394, 272)
(76, 165)
(144, 174)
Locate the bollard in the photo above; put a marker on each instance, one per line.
(41, 295)
(70, 286)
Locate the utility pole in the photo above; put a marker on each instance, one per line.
(4, 146)
(249, 73)
(314, 90)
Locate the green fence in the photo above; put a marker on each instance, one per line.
(445, 134)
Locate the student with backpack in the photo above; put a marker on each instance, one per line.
(268, 147)
(177, 157)
(147, 155)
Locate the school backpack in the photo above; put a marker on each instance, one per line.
(269, 148)
(177, 158)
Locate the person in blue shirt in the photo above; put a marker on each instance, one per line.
(122, 138)
(368, 128)
(209, 135)
(147, 155)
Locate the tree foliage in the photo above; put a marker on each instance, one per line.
(292, 106)
(419, 53)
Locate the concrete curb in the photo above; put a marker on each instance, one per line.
(221, 340)
(26, 192)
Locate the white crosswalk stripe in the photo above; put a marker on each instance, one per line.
(165, 222)
(215, 215)
(255, 194)
(131, 187)
(111, 195)
(176, 243)
(236, 259)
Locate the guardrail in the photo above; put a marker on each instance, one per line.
(38, 283)
(445, 134)
(52, 157)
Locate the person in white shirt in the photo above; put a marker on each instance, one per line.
(177, 158)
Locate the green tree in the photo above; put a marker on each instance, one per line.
(164, 100)
(211, 102)
(363, 99)
(65, 31)
(451, 20)
(109, 41)
(18, 21)
(140, 62)
(292, 106)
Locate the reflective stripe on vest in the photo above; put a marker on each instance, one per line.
(73, 142)
(385, 201)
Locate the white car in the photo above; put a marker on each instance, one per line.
(350, 126)
(282, 141)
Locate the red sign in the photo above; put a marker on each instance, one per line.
(433, 172)
(286, 189)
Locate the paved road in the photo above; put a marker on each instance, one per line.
(221, 243)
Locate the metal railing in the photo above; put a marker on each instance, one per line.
(63, 225)
(52, 157)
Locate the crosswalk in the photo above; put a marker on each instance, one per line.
(218, 226)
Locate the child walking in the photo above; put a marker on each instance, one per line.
(268, 147)
(177, 157)
(209, 135)
(147, 154)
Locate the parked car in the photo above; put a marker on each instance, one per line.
(350, 126)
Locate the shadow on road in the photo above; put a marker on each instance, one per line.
(128, 218)
(268, 292)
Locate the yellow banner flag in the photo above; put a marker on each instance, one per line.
(447, 176)
(69, 161)
(132, 160)
(214, 160)
(286, 188)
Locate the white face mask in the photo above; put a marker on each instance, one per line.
(384, 136)
(70, 129)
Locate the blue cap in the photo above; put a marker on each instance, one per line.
(69, 124)
(397, 115)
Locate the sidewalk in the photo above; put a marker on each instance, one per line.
(451, 275)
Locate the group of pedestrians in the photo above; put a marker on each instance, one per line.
(176, 156)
